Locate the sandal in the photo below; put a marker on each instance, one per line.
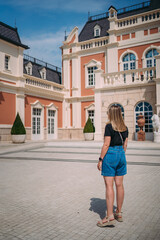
(118, 216)
(110, 221)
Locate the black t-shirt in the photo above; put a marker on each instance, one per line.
(115, 136)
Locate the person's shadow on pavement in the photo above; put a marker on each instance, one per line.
(98, 205)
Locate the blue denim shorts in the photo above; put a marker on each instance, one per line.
(114, 162)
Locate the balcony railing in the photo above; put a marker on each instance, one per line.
(121, 10)
(129, 77)
(41, 63)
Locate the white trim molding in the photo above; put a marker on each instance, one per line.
(55, 109)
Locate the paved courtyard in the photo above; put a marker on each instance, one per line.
(54, 191)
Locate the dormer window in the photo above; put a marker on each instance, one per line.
(29, 68)
(97, 31)
(43, 73)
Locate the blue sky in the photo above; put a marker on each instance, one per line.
(42, 24)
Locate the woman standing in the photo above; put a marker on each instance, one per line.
(112, 163)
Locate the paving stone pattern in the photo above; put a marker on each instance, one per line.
(63, 200)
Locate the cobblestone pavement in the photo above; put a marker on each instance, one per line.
(46, 194)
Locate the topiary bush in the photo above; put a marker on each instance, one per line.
(89, 128)
(18, 127)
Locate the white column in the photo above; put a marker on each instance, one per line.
(66, 73)
(98, 111)
(98, 117)
(20, 103)
(74, 72)
(76, 114)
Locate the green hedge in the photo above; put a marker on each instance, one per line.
(89, 128)
(18, 127)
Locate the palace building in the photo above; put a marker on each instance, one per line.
(115, 59)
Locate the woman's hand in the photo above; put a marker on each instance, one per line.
(99, 165)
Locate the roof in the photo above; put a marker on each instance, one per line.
(10, 34)
(102, 19)
(88, 30)
(51, 75)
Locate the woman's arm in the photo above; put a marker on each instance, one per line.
(125, 144)
(104, 150)
(105, 146)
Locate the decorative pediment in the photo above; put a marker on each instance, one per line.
(37, 104)
(94, 63)
(52, 107)
(90, 107)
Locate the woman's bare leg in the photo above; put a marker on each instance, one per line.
(119, 192)
(109, 194)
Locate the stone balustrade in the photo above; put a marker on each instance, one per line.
(135, 76)
(43, 84)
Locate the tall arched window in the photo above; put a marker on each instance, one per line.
(151, 61)
(129, 61)
(145, 109)
(122, 109)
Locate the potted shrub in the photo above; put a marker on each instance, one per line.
(89, 130)
(18, 130)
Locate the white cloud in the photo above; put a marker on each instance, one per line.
(46, 46)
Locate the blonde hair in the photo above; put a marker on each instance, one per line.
(116, 119)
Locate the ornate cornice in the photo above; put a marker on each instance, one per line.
(80, 99)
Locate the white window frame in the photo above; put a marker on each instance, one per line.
(121, 59)
(8, 63)
(144, 55)
(150, 62)
(40, 136)
(27, 67)
(93, 63)
(43, 73)
(52, 107)
(129, 63)
(148, 123)
(90, 108)
(97, 31)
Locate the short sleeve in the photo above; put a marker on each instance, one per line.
(107, 132)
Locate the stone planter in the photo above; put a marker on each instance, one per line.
(157, 137)
(18, 138)
(89, 136)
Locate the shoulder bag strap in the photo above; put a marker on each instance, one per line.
(121, 137)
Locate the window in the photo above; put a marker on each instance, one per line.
(151, 62)
(51, 121)
(43, 73)
(6, 63)
(145, 109)
(91, 76)
(129, 61)
(97, 31)
(36, 121)
(91, 115)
